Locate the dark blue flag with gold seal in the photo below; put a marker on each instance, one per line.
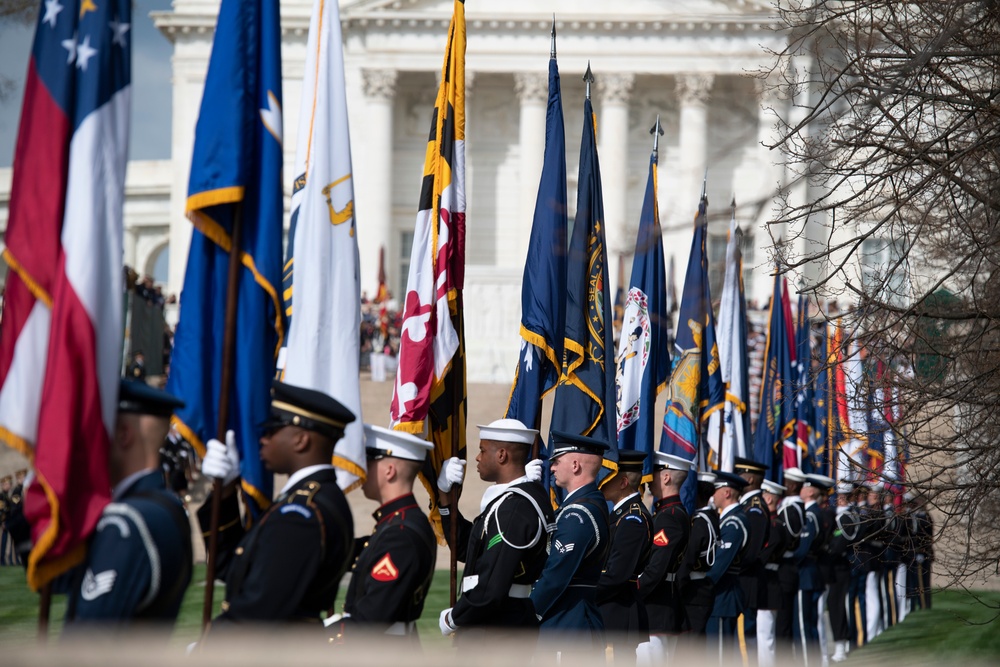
(235, 177)
(824, 425)
(543, 290)
(585, 397)
(695, 389)
(777, 394)
(643, 357)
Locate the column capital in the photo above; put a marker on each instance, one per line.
(379, 84)
(531, 86)
(616, 87)
(695, 88)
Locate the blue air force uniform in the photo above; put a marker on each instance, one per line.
(734, 539)
(139, 560)
(565, 596)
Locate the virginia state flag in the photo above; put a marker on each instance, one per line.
(61, 332)
(643, 360)
(695, 390)
(322, 289)
(429, 393)
(732, 332)
(777, 395)
(543, 289)
(585, 395)
(235, 179)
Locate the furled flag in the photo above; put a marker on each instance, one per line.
(696, 389)
(60, 341)
(733, 350)
(891, 414)
(820, 459)
(543, 289)
(841, 437)
(777, 408)
(643, 361)
(322, 277)
(856, 401)
(585, 397)
(234, 192)
(429, 393)
(797, 443)
(877, 427)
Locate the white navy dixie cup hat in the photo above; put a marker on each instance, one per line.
(671, 462)
(708, 477)
(507, 430)
(772, 487)
(794, 475)
(381, 442)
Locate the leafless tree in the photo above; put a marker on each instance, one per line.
(892, 204)
(19, 11)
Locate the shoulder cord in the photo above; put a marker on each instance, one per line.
(743, 529)
(857, 526)
(538, 533)
(597, 531)
(709, 552)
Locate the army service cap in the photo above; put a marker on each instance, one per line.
(308, 409)
(631, 460)
(741, 465)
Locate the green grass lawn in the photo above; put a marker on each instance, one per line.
(19, 609)
(959, 628)
(962, 627)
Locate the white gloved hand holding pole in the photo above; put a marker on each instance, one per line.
(533, 470)
(452, 473)
(222, 461)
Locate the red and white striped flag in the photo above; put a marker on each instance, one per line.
(60, 338)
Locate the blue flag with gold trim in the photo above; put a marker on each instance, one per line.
(695, 389)
(543, 290)
(235, 178)
(643, 358)
(777, 395)
(585, 397)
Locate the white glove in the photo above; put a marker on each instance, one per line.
(447, 625)
(222, 461)
(452, 473)
(533, 470)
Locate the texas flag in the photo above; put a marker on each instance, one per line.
(60, 339)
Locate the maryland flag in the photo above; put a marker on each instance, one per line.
(429, 393)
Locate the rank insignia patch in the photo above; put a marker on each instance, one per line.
(660, 539)
(385, 570)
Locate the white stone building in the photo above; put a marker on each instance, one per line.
(689, 61)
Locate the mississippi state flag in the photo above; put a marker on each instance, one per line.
(60, 341)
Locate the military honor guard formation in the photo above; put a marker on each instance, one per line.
(744, 538)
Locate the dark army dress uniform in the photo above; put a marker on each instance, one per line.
(696, 588)
(139, 560)
(565, 596)
(504, 552)
(625, 615)
(288, 565)
(393, 571)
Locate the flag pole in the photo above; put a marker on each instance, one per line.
(225, 381)
(44, 607)
(456, 490)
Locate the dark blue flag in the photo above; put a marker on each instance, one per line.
(543, 290)
(235, 178)
(643, 359)
(696, 389)
(777, 408)
(585, 396)
(805, 408)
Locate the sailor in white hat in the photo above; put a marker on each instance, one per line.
(505, 545)
(792, 512)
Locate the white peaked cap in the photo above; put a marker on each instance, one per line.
(398, 444)
(672, 462)
(507, 430)
(794, 475)
(772, 487)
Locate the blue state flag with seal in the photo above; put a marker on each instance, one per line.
(543, 290)
(585, 397)
(777, 395)
(235, 180)
(695, 389)
(643, 359)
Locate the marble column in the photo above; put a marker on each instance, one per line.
(693, 91)
(532, 90)
(614, 90)
(374, 189)
(772, 109)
